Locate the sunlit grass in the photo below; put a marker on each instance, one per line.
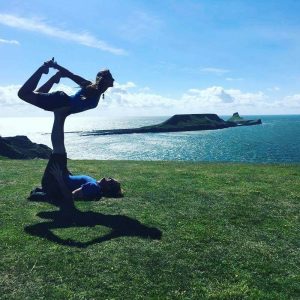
(229, 231)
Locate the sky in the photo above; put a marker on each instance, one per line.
(167, 57)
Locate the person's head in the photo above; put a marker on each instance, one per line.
(104, 80)
(110, 187)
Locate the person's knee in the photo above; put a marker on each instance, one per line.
(27, 96)
(21, 94)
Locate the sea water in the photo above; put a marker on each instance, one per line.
(276, 140)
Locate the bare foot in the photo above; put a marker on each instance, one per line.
(50, 63)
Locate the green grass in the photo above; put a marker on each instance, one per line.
(229, 231)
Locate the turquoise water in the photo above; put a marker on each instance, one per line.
(276, 140)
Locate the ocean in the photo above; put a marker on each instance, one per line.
(277, 140)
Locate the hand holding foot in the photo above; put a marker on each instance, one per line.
(49, 64)
(53, 64)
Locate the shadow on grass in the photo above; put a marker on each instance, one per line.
(120, 225)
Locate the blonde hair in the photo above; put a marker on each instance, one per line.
(102, 74)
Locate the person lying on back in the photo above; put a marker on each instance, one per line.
(58, 183)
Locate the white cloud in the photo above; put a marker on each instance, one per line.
(245, 99)
(12, 42)
(122, 88)
(213, 99)
(8, 95)
(127, 85)
(216, 71)
(65, 88)
(212, 96)
(291, 101)
(128, 99)
(85, 39)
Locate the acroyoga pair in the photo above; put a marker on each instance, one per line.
(57, 181)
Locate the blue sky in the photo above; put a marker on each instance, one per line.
(166, 56)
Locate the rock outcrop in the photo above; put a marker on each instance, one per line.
(239, 121)
(20, 147)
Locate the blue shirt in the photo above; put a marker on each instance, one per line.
(90, 188)
(78, 105)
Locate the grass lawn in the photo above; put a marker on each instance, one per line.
(228, 231)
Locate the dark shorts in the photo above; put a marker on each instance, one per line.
(52, 101)
(49, 183)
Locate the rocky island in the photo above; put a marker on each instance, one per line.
(185, 122)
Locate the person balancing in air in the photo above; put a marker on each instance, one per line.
(86, 98)
(57, 181)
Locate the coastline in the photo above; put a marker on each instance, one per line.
(276, 140)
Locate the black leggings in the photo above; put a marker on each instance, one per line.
(49, 183)
(52, 101)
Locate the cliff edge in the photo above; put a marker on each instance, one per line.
(21, 147)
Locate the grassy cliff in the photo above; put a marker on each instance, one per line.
(228, 231)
